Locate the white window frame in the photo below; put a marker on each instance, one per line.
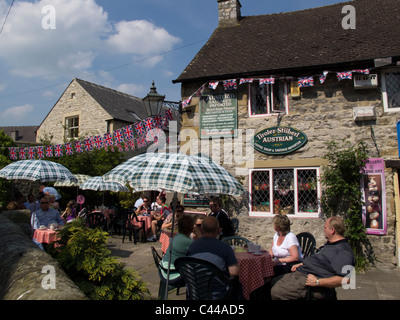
(384, 90)
(297, 213)
(270, 103)
(67, 129)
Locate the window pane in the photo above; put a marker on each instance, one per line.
(279, 96)
(307, 190)
(283, 191)
(258, 99)
(393, 89)
(260, 191)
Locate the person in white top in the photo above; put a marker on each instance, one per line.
(285, 246)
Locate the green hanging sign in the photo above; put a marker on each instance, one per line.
(278, 140)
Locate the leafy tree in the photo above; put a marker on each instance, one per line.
(84, 256)
(342, 193)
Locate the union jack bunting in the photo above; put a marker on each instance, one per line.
(78, 146)
(364, 71)
(118, 136)
(31, 153)
(344, 75)
(98, 142)
(13, 153)
(230, 84)
(40, 152)
(22, 153)
(107, 139)
(68, 149)
(213, 84)
(120, 147)
(131, 144)
(88, 143)
(141, 142)
(148, 124)
(126, 145)
(157, 121)
(186, 102)
(266, 81)
(168, 115)
(306, 82)
(49, 151)
(128, 132)
(246, 80)
(199, 91)
(322, 77)
(139, 128)
(58, 151)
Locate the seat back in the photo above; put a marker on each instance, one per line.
(236, 240)
(204, 280)
(157, 258)
(96, 220)
(235, 225)
(307, 243)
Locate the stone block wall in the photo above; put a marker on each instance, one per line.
(324, 113)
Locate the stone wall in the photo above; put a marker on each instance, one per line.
(26, 272)
(324, 113)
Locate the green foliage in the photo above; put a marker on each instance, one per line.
(342, 192)
(84, 256)
(5, 143)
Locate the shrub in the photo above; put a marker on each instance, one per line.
(83, 255)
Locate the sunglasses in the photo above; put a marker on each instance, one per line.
(44, 203)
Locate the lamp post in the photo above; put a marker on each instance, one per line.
(153, 101)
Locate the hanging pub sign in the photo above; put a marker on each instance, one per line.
(218, 115)
(279, 140)
(374, 197)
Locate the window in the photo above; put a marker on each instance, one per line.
(72, 127)
(391, 90)
(268, 99)
(292, 191)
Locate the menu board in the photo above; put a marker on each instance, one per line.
(218, 115)
(374, 197)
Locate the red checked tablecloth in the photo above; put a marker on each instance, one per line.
(253, 270)
(146, 219)
(45, 235)
(164, 239)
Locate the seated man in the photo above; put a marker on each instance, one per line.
(322, 271)
(209, 248)
(224, 221)
(158, 218)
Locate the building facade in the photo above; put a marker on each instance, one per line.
(266, 94)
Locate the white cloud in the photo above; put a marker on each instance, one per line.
(83, 33)
(18, 113)
(2, 86)
(141, 37)
(137, 90)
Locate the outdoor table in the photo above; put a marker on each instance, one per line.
(164, 239)
(253, 270)
(146, 219)
(46, 235)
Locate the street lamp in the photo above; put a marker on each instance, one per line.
(153, 102)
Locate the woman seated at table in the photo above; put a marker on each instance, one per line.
(70, 212)
(167, 223)
(144, 209)
(180, 247)
(285, 248)
(197, 230)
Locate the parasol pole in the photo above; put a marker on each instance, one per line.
(174, 202)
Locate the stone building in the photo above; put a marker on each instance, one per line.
(267, 93)
(87, 109)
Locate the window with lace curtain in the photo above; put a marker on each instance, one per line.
(292, 191)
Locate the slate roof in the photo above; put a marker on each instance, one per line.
(288, 42)
(117, 104)
(26, 134)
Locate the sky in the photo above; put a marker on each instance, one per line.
(120, 44)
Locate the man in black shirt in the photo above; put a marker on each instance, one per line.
(224, 222)
(323, 271)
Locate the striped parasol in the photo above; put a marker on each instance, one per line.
(175, 172)
(66, 183)
(97, 184)
(36, 170)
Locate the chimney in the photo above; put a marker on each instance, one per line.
(228, 12)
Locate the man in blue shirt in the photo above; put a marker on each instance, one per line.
(45, 215)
